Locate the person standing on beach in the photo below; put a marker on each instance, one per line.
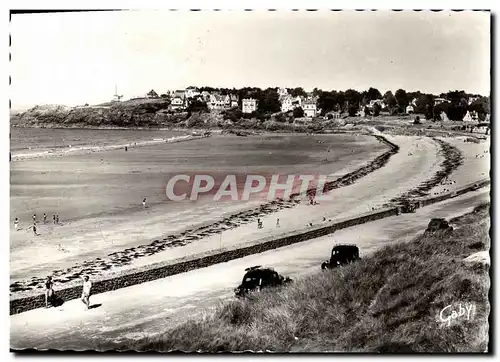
(16, 224)
(126, 148)
(44, 218)
(87, 285)
(57, 218)
(144, 203)
(277, 223)
(34, 229)
(34, 218)
(54, 219)
(49, 292)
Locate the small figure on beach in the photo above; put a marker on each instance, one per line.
(34, 229)
(16, 224)
(277, 223)
(144, 203)
(259, 224)
(34, 218)
(87, 285)
(49, 291)
(44, 218)
(54, 219)
(126, 148)
(57, 218)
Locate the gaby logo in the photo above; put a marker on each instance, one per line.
(243, 187)
(452, 312)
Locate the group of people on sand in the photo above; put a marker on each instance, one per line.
(55, 220)
(52, 300)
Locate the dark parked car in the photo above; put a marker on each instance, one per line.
(341, 255)
(257, 278)
(438, 224)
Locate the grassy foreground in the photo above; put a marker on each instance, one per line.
(388, 302)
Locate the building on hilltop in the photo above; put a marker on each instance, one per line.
(234, 101)
(216, 102)
(248, 105)
(310, 108)
(439, 101)
(191, 92)
(282, 92)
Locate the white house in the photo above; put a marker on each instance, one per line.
(177, 103)
(191, 92)
(310, 108)
(234, 101)
(216, 102)
(205, 96)
(248, 105)
(372, 103)
(439, 101)
(410, 109)
(286, 103)
(282, 92)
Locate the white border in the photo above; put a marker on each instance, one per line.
(182, 4)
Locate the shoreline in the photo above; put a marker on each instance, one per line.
(79, 150)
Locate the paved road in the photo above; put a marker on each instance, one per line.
(148, 308)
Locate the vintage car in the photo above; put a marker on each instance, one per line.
(438, 224)
(408, 206)
(342, 254)
(257, 278)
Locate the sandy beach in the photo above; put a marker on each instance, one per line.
(98, 216)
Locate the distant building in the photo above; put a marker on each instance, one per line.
(310, 108)
(473, 99)
(439, 101)
(216, 102)
(410, 109)
(372, 103)
(248, 105)
(282, 92)
(234, 101)
(178, 100)
(191, 92)
(289, 103)
(205, 96)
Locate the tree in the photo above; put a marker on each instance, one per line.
(317, 92)
(401, 99)
(390, 100)
(376, 109)
(373, 94)
(327, 101)
(152, 94)
(481, 106)
(298, 112)
(268, 101)
(196, 105)
(297, 92)
(457, 108)
(367, 111)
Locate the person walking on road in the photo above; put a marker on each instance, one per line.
(87, 285)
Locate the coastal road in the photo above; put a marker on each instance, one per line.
(149, 308)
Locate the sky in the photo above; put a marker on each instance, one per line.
(77, 58)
